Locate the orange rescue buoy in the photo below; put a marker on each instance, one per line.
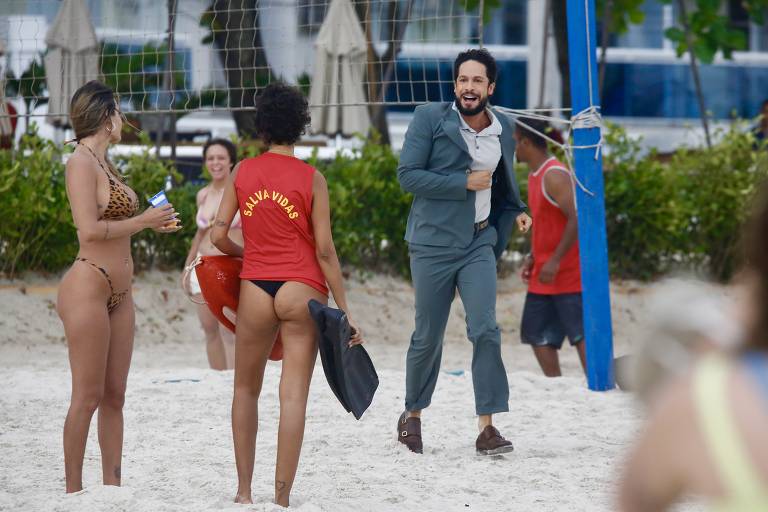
(219, 278)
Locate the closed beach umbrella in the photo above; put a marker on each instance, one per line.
(340, 56)
(72, 58)
(6, 130)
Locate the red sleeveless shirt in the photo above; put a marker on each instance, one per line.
(548, 227)
(274, 196)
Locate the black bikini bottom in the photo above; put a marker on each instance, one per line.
(270, 287)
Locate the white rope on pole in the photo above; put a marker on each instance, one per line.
(588, 118)
(534, 114)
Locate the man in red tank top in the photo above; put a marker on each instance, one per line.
(553, 305)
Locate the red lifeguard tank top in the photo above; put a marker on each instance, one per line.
(274, 196)
(548, 227)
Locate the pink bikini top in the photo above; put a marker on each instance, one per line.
(204, 222)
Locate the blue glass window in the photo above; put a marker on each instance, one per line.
(667, 90)
(648, 34)
(432, 80)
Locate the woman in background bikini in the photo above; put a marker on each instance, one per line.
(220, 156)
(94, 299)
(288, 259)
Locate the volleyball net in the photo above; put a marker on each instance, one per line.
(183, 55)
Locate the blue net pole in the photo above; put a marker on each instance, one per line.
(591, 205)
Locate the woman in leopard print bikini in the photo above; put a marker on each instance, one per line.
(94, 301)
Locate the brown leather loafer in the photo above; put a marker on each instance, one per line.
(409, 432)
(491, 442)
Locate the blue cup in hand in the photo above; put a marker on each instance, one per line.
(160, 199)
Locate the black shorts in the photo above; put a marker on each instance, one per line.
(548, 319)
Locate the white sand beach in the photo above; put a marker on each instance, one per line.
(569, 441)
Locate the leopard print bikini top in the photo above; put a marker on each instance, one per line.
(120, 205)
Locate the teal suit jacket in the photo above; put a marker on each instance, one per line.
(434, 164)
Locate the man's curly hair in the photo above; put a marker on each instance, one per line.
(282, 114)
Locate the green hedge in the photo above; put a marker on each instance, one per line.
(368, 208)
(147, 175)
(716, 194)
(684, 212)
(662, 214)
(645, 218)
(36, 232)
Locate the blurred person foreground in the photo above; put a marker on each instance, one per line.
(704, 371)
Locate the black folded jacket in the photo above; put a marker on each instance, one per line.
(349, 370)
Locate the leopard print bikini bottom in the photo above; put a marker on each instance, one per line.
(115, 298)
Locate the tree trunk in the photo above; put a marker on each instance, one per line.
(389, 61)
(695, 72)
(560, 27)
(374, 70)
(544, 53)
(169, 87)
(380, 69)
(363, 9)
(605, 37)
(237, 38)
(169, 76)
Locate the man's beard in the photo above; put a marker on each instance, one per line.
(481, 104)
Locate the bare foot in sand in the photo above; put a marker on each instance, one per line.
(282, 494)
(243, 498)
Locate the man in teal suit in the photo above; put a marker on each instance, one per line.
(457, 161)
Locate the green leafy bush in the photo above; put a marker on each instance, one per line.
(645, 213)
(661, 214)
(147, 175)
(716, 190)
(37, 232)
(368, 208)
(681, 212)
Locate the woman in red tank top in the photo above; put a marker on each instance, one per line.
(288, 257)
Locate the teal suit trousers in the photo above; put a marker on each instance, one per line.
(437, 273)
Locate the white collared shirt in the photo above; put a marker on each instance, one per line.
(485, 149)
